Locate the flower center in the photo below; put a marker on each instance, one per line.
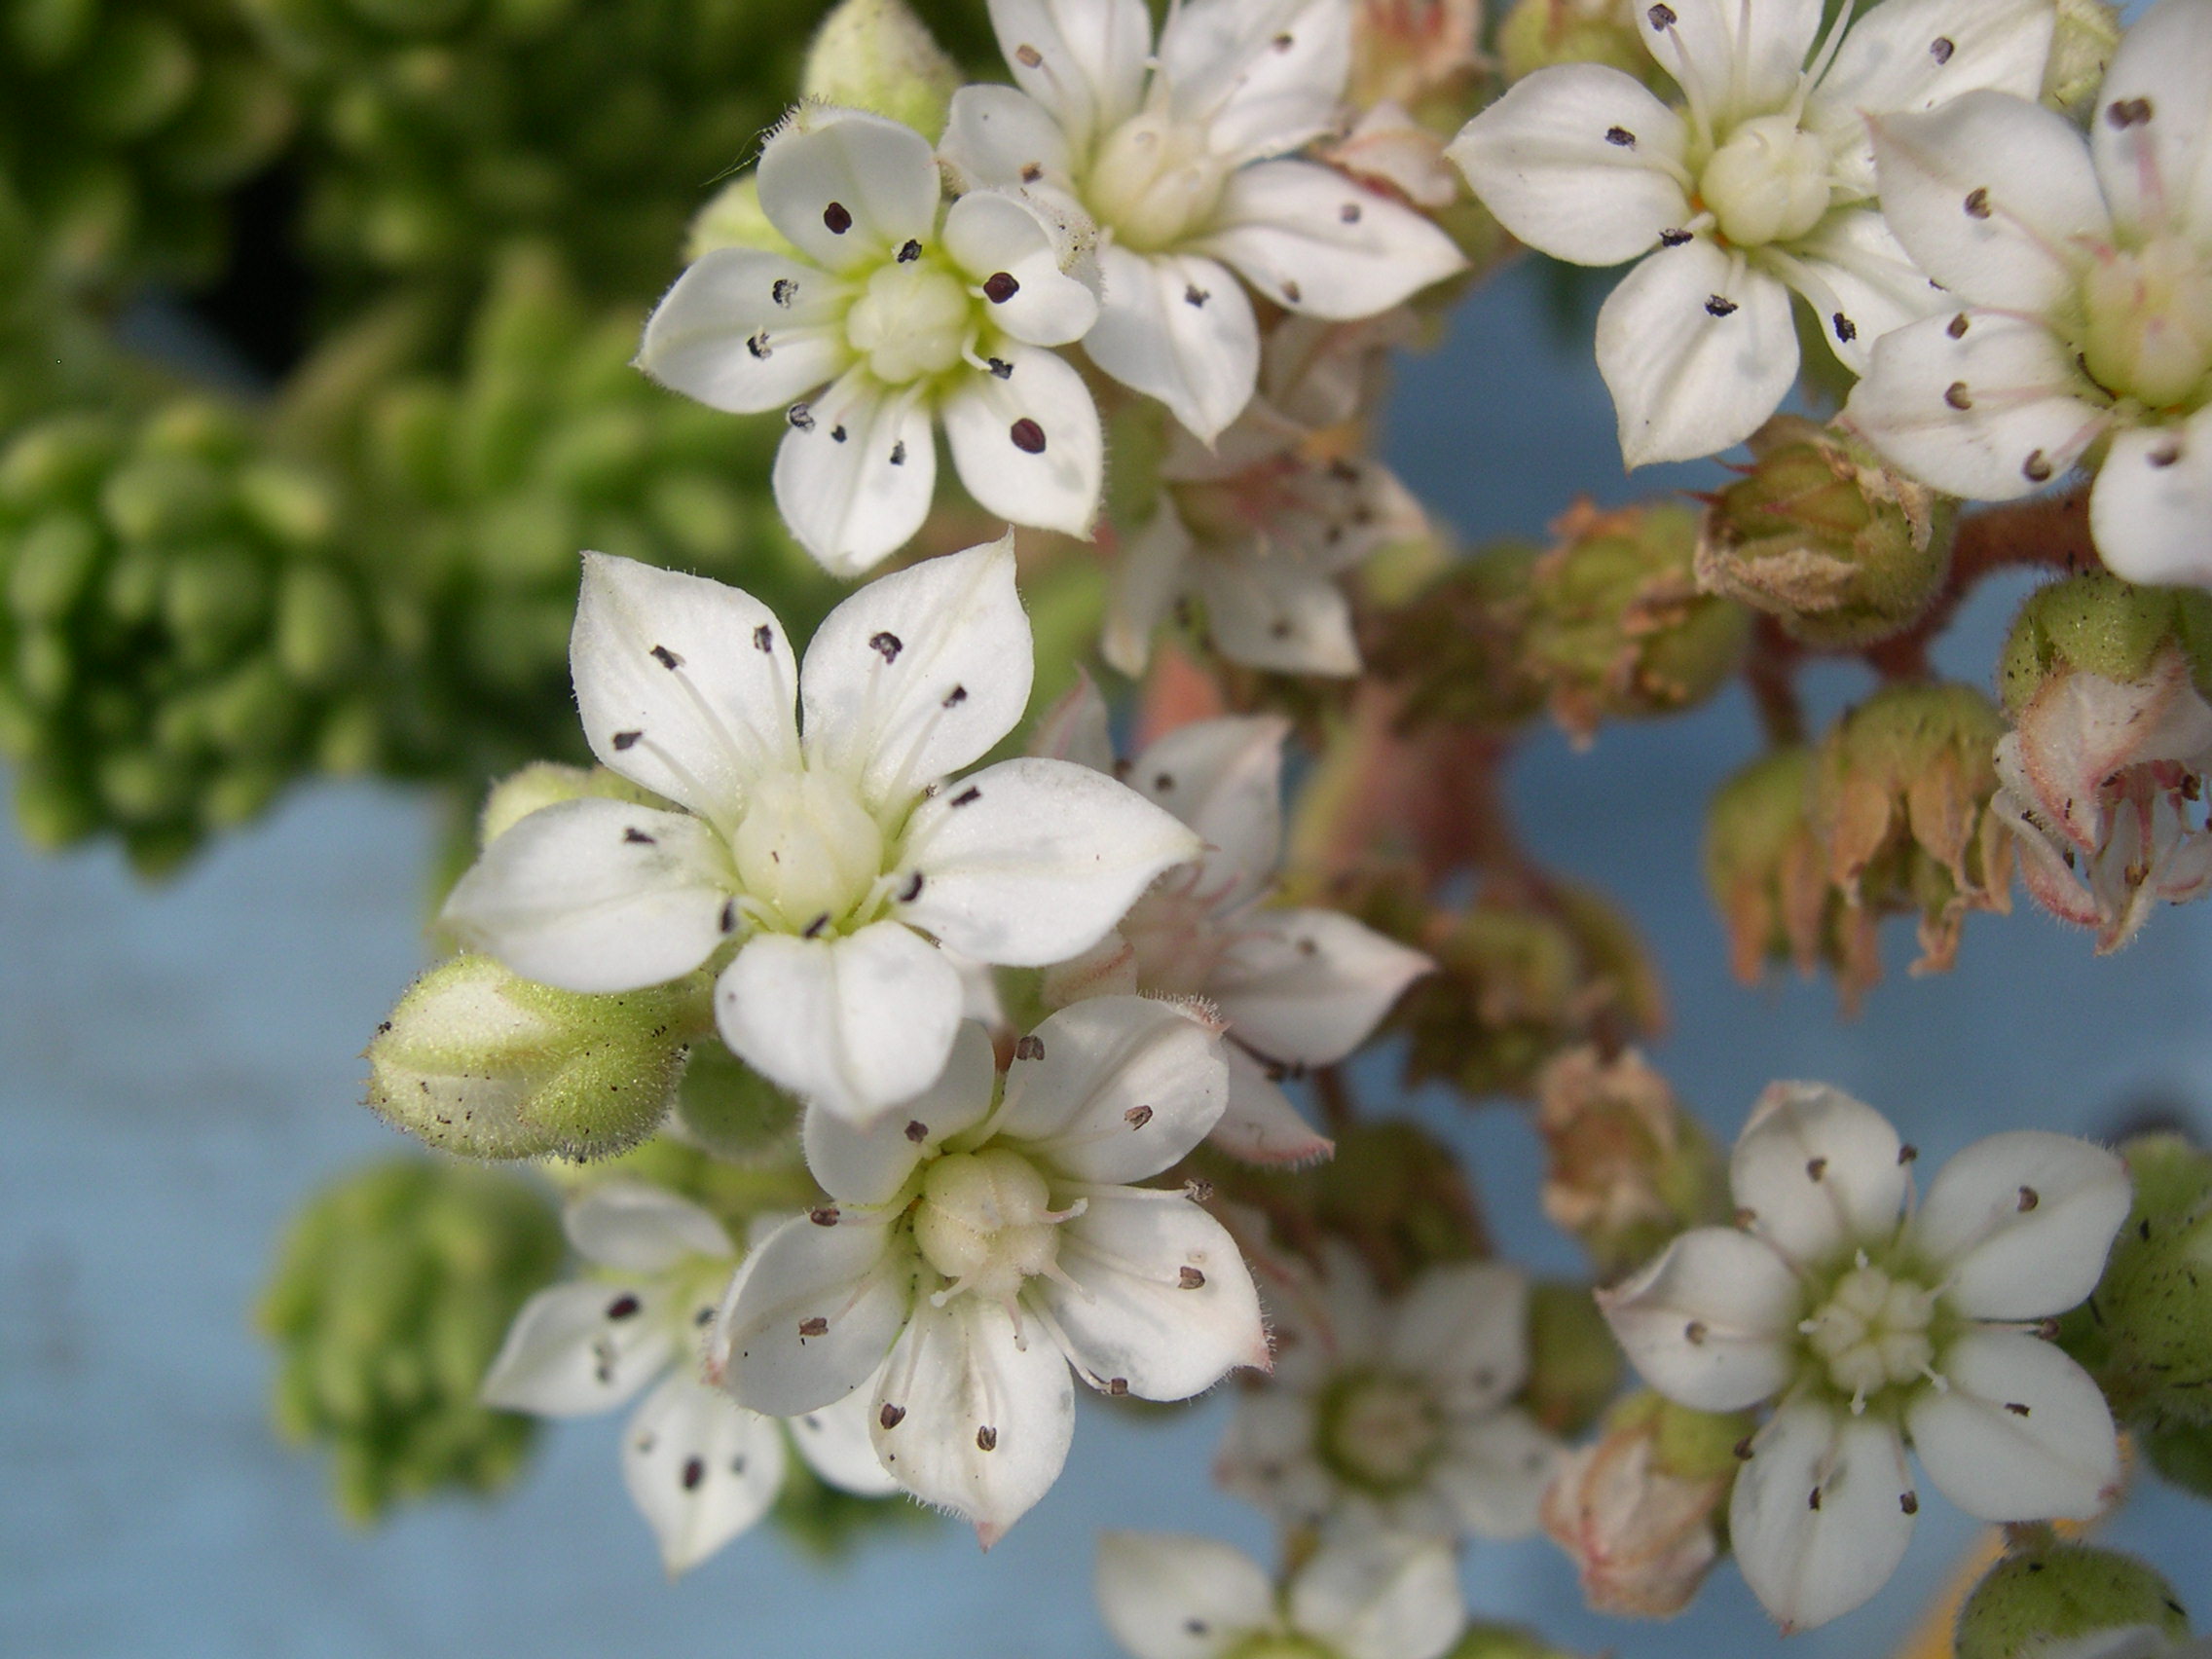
(1872, 1331)
(2149, 324)
(1379, 1430)
(985, 1221)
(1769, 182)
(806, 848)
(1172, 932)
(1153, 181)
(911, 322)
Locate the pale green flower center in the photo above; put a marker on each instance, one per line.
(2147, 324)
(1379, 1430)
(1155, 181)
(1872, 1331)
(911, 322)
(987, 1221)
(806, 849)
(1768, 183)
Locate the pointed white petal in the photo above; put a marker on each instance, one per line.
(813, 1313)
(1994, 197)
(1027, 443)
(582, 1348)
(1176, 1596)
(1712, 1322)
(1311, 239)
(1113, 1090)
(919, 673)
(1147, 580)
(1865, 279)
(995, 136)
(1819, 1172)
(1076, 727)
(837, 1442)
(867, 1164)
(2022, 423)
(1177, 327)
(1262, 76)
(1277, 612)
(1494, 1473)
(1541, 162)
(1466, 1328)
(1736, 59)
(596, 896)
(1309, 986)
(637, 1229)
(988, 233)
(971, 1416)
(1260, 1125)
(700, 1469)
(847, 188)
(2021, 1433)
(1381, 1596)
(1697, 350)
(686, 686)
(1268, 1456)
(2159, 171)
(1811, 1561)
(1030, 861)
(1160, 1299)
(746, 331)
(1081, 60)
(2154, 501)
(1224, 779)
(853, 476)
(854, 1025)
(2019, 1223)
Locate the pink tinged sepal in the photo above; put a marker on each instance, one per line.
(811, 1313)
(1175, 1595)
(1823, 1512)
(869, 1164)
(2018, 1431)
(1711, 1323)
(1819, 1172)
(2081, 730)
(700, 1469)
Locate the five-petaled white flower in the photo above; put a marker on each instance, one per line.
(1394, 1413)
(1382, 1596)
(817, 855)
(1871, 1326)
(1182, 158)
(1766, 187)
(2080, 274)
(1294, 986)
(986, 1248)
(700, 1467)
(909, 313)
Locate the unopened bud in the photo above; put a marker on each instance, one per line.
(2098, 624)
(1767, 873)
(2050, 1593)
(2081, 47)
(877, 55)
(547, 783)
(1536, 34)
(1574, 1364)
(1486, 1641)
(1628, 1166)
(733, 218)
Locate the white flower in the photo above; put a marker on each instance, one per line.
(1172, 1596)
(699, 1467)
(1394, 1413)
(2080, 274)
(1762, 184)
(817, 855)
(1871, 1326)
(985, 1249)
(908, 313)
(1295, 987)
(1180, 156)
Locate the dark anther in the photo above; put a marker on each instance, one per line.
(912, 890)
(1941, 49)
(1164, 779)
(1814, 1168)
(637, 836)
(1029, 1049)
(1675, 239)
(1957, 395)
(623, 1307)
(1028, 437)
(1292, 293)
(2123, 113)
(910, 251)
(1621, 137)
(1743, 1449)
(2029, 1198)
(667, 658)
(1029, 57)
(1907, 1152)
(1845, 329)
(1694, 1333)
(1720, 305)
(2016, 1408)
(2165, 454)
(823, 1215)
(1190, 1279)
(1814, 1501)
(887, 645)
(695, 1471)
(1349, 213)
(785, 292)
(2036, 468)
(1977, 201)
(757, 345)
(899, 452)
(838, 218)
(1194, 295)
(817, 1326)
(1909, 1502)
(838, 431)
(1284, 42)
(801, 417)
(1956, 328)
(1000, 286)
(763, 637)
(625, 739)
(1117, 1387)
(1662, 17)
(987, 1439)
(970, 793)
(815, 927)
(955, 697)
(1000, 367)
(1031, 172)
(729, 915)
(917, 1131)
(1136, 1116)
(891, 1416)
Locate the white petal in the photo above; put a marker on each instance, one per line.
(1030, 861)
(1910, 55)
(1821, 1173)
(1081, 60)
(596, 895)
(919, 673)
(1541, 162)
(1697, 350)
(700, 1469)
(1310, 239)
(2160, 169)
(1146, 581)
(744, 330)
(837, 1443)
(1993, 195)
(1381, 1596)
(855, 1025)
(998, 136)
(637, 1229)
(1711, 1323)
(1177, 327)
(2019, 1223)
(1735, 58)
(1262, 75)
(1309, 986)
(1176, 1596)
(1494, 1473)
(1076, 727)
(812, 1315)
(1114, 1089)
(2021, 1433)
(1277, 612)
(685, 685)
(1466, 1328)
(1268, 1456)
(827, 168)
(582, 1348)
(2153, 502)
(2023, 423)
(854, 474)
(1260, 1125)
(1224, 779)
(1810, 1562)
(867, 1164)
(1027, 443)
(988, 233)
(972, 1417)
(1867, 279)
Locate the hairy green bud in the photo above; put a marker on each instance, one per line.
(2050, 1593)
(878, 55)
(1535, 34)
(2098, 624)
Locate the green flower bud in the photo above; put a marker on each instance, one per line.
(733, 218)
(1483, 1640)
(546, 783)
(51, 566)
(479, 1061)
(1455, 645)
(877, 55)
(2081, 47)
(2050, 1592)
(319, 635)
(2099, 624)
(1574, 1365)
(287, 505)
(1535, 34)
(732, 1113)
(1767, 876)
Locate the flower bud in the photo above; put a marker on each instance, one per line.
(1628, 1168)
(1454, 648)
(878, 55)
(1819, 534)
(2081, 47)
(1574, 1364)
(1535, 34)
(548, 783)
(2050, 1593)
(479, 1061)
(2098, 624)
(1483, 1640)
